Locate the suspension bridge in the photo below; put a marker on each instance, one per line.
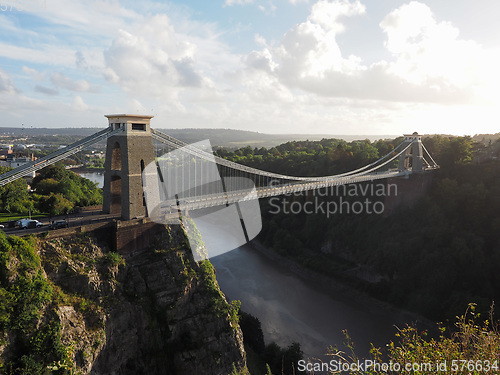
(191, 175)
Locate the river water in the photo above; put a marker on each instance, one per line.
(94, 177)
(292, 309)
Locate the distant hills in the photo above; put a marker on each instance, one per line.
(218, 137)
(242, 138)
(485, 138)
(48, 131)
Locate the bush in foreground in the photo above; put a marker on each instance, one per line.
(473, 347)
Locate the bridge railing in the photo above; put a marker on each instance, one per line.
(56, 156)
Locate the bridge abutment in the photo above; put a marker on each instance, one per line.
(133, 235)
(409, 190)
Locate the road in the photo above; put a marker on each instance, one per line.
(72, 219)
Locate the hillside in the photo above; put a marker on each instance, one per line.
(432, 255)
(69, 305)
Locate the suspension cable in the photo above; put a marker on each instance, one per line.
(208, 156)
(428, 153)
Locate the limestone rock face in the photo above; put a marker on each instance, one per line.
(156, 311)
(74, 329)
(166, 324)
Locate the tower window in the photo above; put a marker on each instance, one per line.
(141, 127)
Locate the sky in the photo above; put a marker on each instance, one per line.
(272, 66)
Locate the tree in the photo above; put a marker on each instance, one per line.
(55, 204)
(252, 332)
(47, 186)
(283, 361)
(79, 191)
(14, 197)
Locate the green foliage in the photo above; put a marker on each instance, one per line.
(24, 293)
(56, 182)
(270, 359)
(14, 196)
(472, 347)
(235, 371)
(234, 309)
(451, 151)
(308, 158)
(5, 217)
(95, 163)
(218, 302)
(283, 360)
(114, 259)
(29, 293)
(47, 186)
(57, 191)
(252, 332)
(54, 204)
(432, 258)
(449, 256)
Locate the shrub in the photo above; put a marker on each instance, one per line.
(473, 347)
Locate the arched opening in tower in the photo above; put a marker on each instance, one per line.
(409, 164)
(143, 180)
(116, 157)
(116, 195)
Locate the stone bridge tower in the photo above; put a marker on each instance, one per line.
(127, 154)
(413, 158)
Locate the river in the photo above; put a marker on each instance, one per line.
(94, 177)
(293, 309)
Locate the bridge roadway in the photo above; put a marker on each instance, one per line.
(170, 210)
(74, 220)
(218, 199)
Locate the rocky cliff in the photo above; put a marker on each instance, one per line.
(154, 312)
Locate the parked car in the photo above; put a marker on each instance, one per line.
(20, 222)
(58, 224)
(34, 224)
(29, 224)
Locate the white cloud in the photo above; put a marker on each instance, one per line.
(309, 51)
(237, 2)
(45, 54)
(6, 84)
(181, 70)
(62, 81)
(170, 69)
(157, 61)
(407, 23)
(79, 105)
(327, 14)
(90, 18)
(34, 74)
(46, 90)
(431, 63)
(18, 105)
(261, 60)
(430, 52)
(89, 60)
